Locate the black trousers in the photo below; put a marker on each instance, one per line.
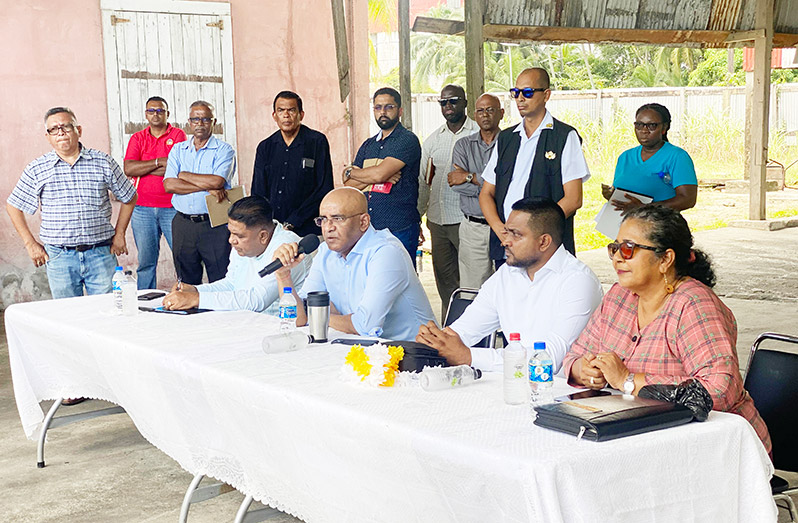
(197, 243)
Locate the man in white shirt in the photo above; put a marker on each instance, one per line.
(254, 236)
(540, 157)
(543, 292)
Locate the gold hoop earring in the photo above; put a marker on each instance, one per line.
(668, 286)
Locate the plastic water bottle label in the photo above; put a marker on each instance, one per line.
(288, 312)
(541, 373)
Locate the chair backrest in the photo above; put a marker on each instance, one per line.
(458, 303)
(772, 381)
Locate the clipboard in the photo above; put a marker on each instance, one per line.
(217, 211)
(608, 220)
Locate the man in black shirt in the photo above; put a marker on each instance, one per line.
(293, 169)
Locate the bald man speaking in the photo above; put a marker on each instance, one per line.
(374, 290)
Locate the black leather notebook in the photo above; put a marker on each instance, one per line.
(608, 417)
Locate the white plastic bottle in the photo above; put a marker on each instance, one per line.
(117, 282)
(285, 342)
(541, 376)
(419, 261)
(287, 311)
(130, 293)
(515, 371)
(441, 378)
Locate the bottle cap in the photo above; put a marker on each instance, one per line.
(119, 268)
(477, 373)
(286, 290)
(514, 336)
(540, 345)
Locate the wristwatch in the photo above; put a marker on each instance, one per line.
(347, 173)
(469, 177)
(629, 384)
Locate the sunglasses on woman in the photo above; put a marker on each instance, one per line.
(627, 249)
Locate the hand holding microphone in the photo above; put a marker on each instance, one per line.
(289, 254)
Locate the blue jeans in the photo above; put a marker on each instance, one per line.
(69, 271)
(148, 224)
(409, 238)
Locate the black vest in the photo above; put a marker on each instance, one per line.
(545, 178)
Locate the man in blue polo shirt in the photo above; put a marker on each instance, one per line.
(373, 288)
(196, 168)
(386, 170)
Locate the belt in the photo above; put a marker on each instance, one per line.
(84, 248)
(194, 217)
(474, 219)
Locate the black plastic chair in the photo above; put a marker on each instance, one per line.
(772, 381)
(458, 303)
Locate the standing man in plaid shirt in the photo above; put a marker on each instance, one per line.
(78, 243)
(145, 162)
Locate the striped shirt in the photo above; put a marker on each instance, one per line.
(76, 208)
(693, 336)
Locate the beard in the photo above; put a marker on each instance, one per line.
(384, 122)
(523, 263)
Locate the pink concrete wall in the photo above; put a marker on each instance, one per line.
(53, 55)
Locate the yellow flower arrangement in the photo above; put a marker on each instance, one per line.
(376, 365)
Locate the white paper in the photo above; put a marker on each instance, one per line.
(608, 220)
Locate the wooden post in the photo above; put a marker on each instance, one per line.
(405, 92)
(763, 45)
(475, 59)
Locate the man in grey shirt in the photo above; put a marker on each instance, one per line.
(469, 157)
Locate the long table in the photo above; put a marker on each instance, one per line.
(288, 431)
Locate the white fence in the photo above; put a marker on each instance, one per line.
(603, 104)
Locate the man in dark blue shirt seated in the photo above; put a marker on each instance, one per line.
(293, 169)
(386, 170)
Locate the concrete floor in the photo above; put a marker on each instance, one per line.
(102, 470)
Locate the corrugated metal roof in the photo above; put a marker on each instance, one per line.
(676, 15)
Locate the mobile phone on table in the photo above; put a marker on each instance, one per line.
(354, 341)
(590, 393)
(151, 295)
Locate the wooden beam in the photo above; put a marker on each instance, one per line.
(475, 58)
(744, 36)
(520, 34)
(760, 110)
(405, 92)
(424, 24)
(341, 48)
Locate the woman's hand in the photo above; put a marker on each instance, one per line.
(625, 206)
(613, 369)
(586, 373)
(607, 190)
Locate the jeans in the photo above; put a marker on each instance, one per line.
(68, 271)
(148, 224)
(409, 238)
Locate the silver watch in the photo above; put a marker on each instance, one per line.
(629, 384)
(469, 177)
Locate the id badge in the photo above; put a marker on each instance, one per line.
(383, 188)
(308, 163)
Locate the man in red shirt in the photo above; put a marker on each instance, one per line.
(145, 162)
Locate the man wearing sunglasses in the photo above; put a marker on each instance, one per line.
(198, 167)
(77, 241)
(437, 198)
(540, 157)
(386, 170)
(145, 163)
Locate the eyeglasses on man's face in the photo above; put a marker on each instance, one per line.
(58, 129)
(152, 111)
(196, 119)
(627, 249)
(386, 108)
(528, 92)
(489, 111)
(449, 101)
(649, 126)
(337, 219)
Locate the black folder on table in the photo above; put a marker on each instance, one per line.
(608, 417)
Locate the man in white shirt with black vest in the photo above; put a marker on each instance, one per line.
(540, 157)
(543, 293)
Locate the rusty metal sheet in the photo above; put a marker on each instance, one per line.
(621, 14)
(725, 15)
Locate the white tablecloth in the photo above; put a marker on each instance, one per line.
(286, 429)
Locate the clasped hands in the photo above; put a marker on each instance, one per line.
(446, 342)
(598, 371)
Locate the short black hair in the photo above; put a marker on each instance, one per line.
(252, 211)
(289, 95)
(157, 99)
(545, 217)
(390, 91)
(58, 110)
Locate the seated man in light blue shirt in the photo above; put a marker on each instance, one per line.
(197, 167)
(373, 288)
(254, 236)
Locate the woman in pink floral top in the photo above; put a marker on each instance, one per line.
(661, 323)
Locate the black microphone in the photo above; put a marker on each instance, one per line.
(307, 245)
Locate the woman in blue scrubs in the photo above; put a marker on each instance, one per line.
(656, 167)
